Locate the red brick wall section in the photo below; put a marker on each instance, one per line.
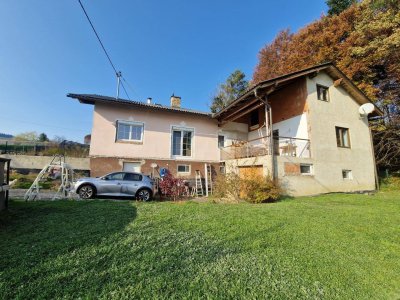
(292, 168)
(100, 166)
(103, 165)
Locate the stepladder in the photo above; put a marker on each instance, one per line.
(199, 184)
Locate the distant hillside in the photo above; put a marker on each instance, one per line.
(5, 136)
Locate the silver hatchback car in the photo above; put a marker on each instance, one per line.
(124, 184)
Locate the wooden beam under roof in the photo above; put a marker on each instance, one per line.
(235, 117)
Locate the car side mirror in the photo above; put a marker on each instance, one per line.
(104, 178)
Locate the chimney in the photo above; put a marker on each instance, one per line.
(149, 100)
(175, 101)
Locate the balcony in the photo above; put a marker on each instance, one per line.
(283, 146)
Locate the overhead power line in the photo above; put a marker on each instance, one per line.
(124, 88)
(118, 74)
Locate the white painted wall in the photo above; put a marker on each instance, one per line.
(295, 127)
(233, 131)
(256, 134)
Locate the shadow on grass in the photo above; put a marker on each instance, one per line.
(85, 249)
(35, 236)
(284, 198)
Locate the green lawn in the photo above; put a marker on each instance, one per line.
(333, 246)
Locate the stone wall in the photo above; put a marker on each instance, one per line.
(30, 162)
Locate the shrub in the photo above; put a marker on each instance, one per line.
(226, 188)
(172, 187)
(252, 188)
(391, 183)
(259, 189)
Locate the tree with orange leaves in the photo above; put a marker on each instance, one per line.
(363, 41)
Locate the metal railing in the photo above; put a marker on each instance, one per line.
(283, 146)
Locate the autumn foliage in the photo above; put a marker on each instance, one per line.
(363, 41)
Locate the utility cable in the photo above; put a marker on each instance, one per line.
(102, 46)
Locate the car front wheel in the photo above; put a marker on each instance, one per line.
(143, 194)
(86, 191)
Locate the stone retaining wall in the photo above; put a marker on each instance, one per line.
(31, 162)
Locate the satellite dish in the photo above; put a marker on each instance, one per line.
(366, 109)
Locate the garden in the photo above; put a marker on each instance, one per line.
(339, 246)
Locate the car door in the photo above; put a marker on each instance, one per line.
(131, 183)
(111, 184)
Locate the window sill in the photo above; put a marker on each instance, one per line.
(181, 157)
(129, 142)
(343, 147)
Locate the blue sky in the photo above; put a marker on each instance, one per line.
(47, 49)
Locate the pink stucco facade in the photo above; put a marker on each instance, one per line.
(157, 132)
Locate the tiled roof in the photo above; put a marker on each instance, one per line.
(93, 98)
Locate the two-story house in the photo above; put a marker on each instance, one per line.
(303, 128)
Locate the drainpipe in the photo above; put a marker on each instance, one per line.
(373, 156)
(268, 115)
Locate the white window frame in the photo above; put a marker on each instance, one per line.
(181, 129)
(131, 124)
(185, 172)
(349, 172)
(311, 169)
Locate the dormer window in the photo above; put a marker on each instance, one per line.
(322, 93)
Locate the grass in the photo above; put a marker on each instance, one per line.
(330, 247)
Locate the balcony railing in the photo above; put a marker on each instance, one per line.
(283, 146)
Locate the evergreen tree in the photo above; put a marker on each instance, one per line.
(337, 6)
(43, 137)
(229, 91)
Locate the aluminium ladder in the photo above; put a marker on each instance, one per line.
(199, 184)
(208, 179)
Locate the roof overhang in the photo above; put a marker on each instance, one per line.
(267, 87)
(93, 99)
